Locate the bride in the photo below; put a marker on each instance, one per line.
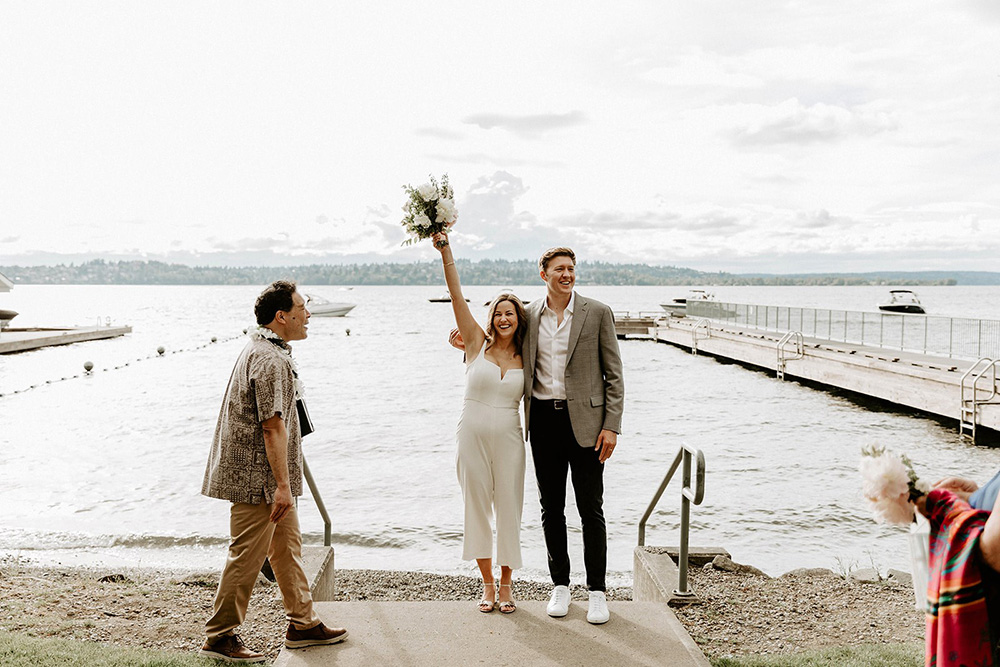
(490, 457)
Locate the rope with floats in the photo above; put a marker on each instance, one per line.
(88, 366)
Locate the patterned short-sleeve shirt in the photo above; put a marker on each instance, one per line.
(262, 386)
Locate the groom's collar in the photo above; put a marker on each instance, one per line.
(569, 307)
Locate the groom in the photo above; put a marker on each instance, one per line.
(573, 399)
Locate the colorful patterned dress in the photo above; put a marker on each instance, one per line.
(958, 621)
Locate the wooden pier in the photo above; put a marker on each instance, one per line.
(20, 340)
(636, 325)
(923, 382)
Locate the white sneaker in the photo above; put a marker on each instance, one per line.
(597, 611)
(559, 602)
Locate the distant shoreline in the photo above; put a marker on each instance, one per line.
(482, 272)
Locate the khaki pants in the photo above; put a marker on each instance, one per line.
(254, 537)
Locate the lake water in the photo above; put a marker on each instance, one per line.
(107, 467)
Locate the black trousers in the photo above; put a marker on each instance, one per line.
(555, 451)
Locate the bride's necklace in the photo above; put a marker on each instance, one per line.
(258, 332)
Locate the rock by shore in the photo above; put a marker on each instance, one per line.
(742, 613)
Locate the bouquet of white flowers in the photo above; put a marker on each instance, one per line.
(890, 484)
(430, 209)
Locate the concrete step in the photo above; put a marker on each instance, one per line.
(455, 633)
(317, 563)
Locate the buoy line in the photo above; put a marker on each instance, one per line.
(88, 366)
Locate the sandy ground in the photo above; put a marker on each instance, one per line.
(741, 613)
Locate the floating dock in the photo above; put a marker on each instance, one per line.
(959, 389)
(20, 340)
(636, 325)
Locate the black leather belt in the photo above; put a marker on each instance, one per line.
(555, 404)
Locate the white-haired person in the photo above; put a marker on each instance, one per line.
(963, 587)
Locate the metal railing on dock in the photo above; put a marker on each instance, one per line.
(314, 490)
(927, 334)
(689, 495)
(968, 418)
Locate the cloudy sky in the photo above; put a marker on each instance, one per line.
(719, 134)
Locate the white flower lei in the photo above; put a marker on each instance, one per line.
(258, 332)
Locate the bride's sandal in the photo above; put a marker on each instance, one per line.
(485, 605)
(508, 606)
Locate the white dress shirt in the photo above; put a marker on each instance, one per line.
(553, 348)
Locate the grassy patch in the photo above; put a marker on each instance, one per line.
(870, 655)
(22, 651)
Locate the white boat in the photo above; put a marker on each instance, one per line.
(679, 305)
(444, 298)
(524, 302)
(5, 317)
(321, 307)
(902, 301)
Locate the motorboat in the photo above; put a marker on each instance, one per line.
(679, 306)
(524, 302)
(902, 301)
(5, 317)
(321, 307)
(444, 298)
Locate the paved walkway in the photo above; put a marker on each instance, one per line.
(454, 633)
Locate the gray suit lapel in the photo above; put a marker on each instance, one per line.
(579, 316)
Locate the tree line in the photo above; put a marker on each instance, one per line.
(481, 272)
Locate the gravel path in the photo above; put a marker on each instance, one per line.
(741, 614)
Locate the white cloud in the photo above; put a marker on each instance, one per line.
(529, 125)
(792, 122)
(702, 70)
(439, 133)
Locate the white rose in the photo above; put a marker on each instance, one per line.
(883, 476)
(446, 211)
(427, 192)
(421, 220)
(896, 511)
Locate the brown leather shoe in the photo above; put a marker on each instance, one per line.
(315, 636)
(230, 648)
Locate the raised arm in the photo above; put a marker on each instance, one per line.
(472, 333)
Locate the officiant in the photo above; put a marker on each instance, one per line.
(256, 464)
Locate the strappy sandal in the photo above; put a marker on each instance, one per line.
(486, 606)
(508, 606)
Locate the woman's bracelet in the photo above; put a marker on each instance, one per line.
(449, 263)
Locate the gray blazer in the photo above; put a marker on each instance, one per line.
(595, 389)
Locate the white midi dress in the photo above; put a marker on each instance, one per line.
(490, 461)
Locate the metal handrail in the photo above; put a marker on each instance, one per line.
(703, 323)
(974, 402)
(314, 490)
(688, 495)
(993, 387)
(796, 338)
